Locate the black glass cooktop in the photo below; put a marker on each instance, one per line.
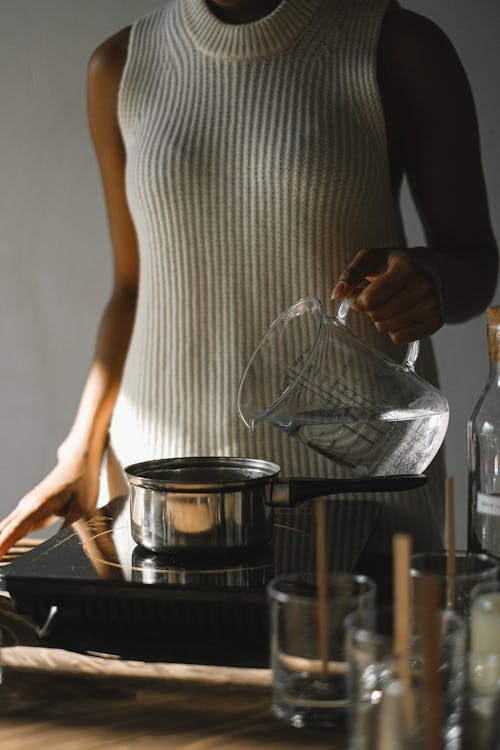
(103, 593)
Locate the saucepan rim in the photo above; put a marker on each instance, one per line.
(201, 473)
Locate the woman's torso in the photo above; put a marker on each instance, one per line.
(257, 164)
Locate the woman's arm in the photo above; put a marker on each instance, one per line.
(433, 139)
(94, 414)
(71, 488)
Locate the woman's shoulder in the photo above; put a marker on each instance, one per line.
(104, 75)
(412, 43)
(108, 60)
(418, 65)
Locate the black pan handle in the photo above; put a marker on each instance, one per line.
(291, 492)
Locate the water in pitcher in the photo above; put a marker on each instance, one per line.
(400, 441)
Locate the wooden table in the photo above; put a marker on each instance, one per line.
(56, 699)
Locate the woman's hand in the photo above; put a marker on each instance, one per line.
(401, 299)
(69, 490)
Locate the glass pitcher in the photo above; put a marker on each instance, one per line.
(315, 380)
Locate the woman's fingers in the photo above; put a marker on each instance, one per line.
(34, 511)
(400, 279)
(407, 298)
(401, 315)
(419, 324)
(415, 331)
(14, 527)
(408, 314)
(400, 299)
(69, 490)
(366, 263)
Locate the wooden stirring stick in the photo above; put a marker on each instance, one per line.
(402, 613)
(450, 544)
(322, 582)
(428, 625)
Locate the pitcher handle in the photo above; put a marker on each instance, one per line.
(342, 310)
(413, 347)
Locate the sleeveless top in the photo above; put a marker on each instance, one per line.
(256, 167)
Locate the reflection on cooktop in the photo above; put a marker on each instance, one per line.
(248, 570)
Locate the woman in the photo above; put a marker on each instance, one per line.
(252, 153)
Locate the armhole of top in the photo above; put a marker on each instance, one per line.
(126, 74)
(380, 15)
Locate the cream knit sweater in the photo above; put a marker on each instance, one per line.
(256, 167)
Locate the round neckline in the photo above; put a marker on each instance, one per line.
(265, 37)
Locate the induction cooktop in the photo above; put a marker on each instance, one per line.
(90, 588)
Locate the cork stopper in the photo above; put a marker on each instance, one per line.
(493, 316)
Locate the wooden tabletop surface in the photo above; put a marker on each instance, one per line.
(57, 699)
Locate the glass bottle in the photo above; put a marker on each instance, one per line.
(483, 432)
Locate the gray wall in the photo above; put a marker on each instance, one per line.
(54, 246)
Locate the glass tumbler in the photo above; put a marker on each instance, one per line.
(309, 669)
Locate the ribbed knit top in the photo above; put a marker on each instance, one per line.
(256, 167)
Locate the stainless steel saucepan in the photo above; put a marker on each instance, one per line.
(213, 503)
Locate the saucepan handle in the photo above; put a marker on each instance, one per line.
(299, 489)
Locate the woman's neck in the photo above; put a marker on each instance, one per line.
(242, 11)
